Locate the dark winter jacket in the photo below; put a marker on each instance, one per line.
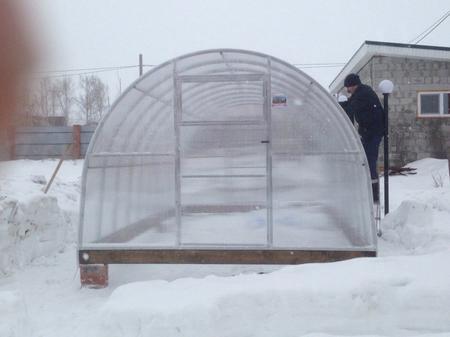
(365, 107)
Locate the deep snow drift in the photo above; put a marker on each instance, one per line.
(34, 224)
(404, 292)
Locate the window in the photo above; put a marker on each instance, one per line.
(434, 104)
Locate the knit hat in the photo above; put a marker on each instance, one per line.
(351, 80)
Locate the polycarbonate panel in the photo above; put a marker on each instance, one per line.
(291, 130)
(213, 101)
(159, 83)
(130, 196)
(221, 210)
(310, 207)
(198, 153)
(113, 121)
(226, 145)
(240, 228)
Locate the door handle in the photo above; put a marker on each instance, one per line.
(265, 142)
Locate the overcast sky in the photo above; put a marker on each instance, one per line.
(101, 33)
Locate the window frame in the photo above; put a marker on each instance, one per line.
(441, 94)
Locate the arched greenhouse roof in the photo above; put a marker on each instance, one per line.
(226, 148)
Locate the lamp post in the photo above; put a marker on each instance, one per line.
(386, 88)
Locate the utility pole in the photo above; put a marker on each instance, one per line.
(141, 66)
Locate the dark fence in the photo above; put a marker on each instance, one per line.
(39, 142)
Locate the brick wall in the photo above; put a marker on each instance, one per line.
(411, 138)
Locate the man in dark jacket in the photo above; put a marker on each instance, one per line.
(365, 108)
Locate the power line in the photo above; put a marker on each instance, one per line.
(319, 65)
(85, 69)
(79, 74)
(68, 72)
(95, 70)
(430, 29)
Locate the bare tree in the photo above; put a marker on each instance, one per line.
(93, 99)
(42, 97)
(46, 98)
(37, 100)
(28, 105)
(63, 90)
(56, 97)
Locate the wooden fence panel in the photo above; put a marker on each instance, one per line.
(51, 141)
(33, 138)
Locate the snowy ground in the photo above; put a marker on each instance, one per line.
(404, 292)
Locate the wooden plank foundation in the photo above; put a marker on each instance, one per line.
(94, 262)
(215, 256)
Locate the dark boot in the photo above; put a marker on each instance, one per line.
(376, 192)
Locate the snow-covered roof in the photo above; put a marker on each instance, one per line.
(370, 49)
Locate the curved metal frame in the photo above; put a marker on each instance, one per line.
(294, 80)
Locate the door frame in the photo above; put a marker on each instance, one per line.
(265, 78)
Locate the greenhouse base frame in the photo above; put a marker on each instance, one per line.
(94, 262)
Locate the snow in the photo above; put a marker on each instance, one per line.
(419, 220)
(14, 318)
(403, 292)
(379, 296)
(34, 224)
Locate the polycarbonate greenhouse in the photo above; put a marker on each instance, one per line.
(225, 151)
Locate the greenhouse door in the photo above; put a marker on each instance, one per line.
(223, 160)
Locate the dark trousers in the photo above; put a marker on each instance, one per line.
(371, 148)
